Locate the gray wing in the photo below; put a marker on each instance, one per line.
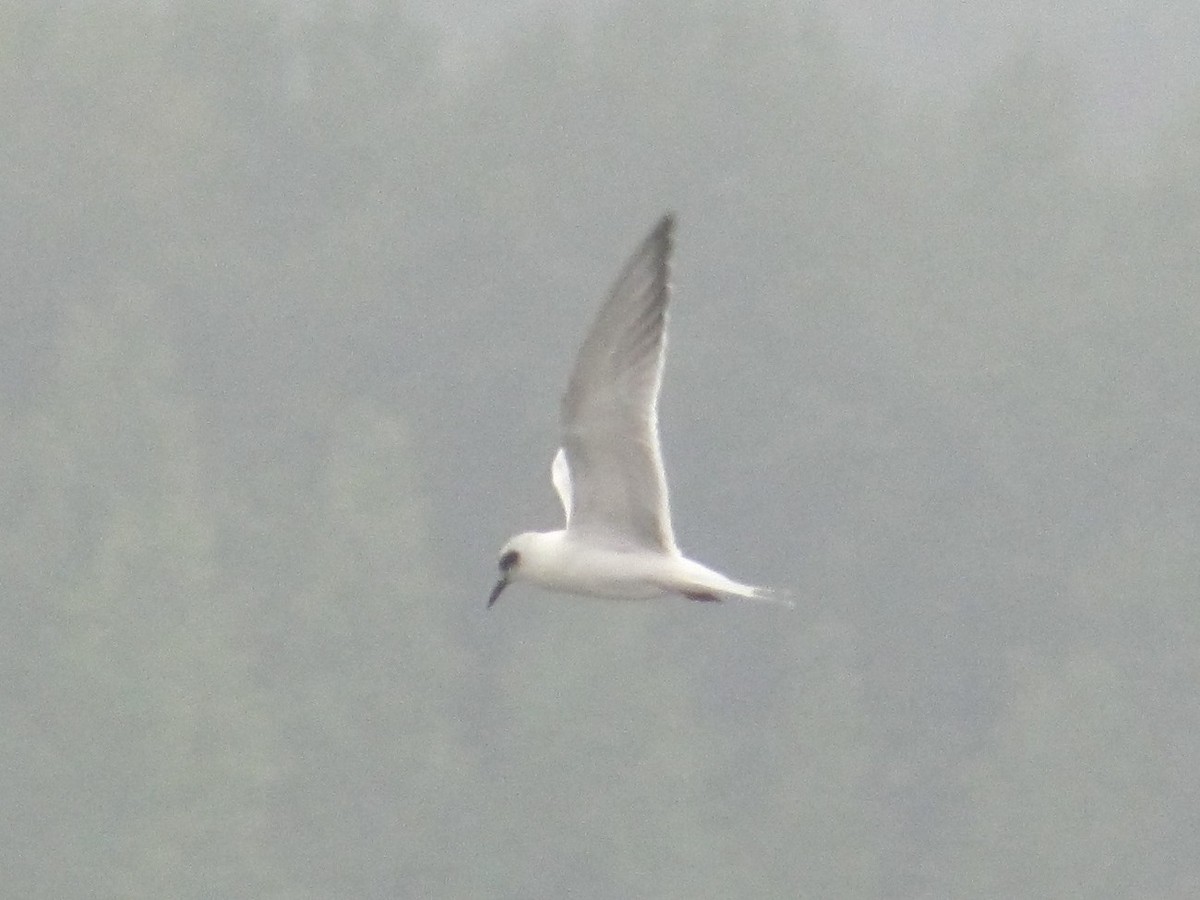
(610, 410)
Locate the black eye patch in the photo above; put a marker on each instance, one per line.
(509, 559)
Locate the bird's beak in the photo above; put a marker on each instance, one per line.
(500, 586)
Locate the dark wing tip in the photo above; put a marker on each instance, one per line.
(665, 228)
(659, 246)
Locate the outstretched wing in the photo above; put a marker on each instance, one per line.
(610, 410)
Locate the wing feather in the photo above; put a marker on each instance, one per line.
(616, 482)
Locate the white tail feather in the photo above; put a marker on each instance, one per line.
(771, 595)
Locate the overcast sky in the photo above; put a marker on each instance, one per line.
(1137, 60)
(286, 312)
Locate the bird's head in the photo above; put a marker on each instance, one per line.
(510, 563)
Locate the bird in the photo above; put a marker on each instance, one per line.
(618, 542)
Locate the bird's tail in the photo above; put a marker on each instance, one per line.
(759, 594)
(771, 595)
(703, 583)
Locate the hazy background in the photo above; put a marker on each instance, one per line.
(288, 294)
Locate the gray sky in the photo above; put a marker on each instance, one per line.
(1137, 60)
(286, 308)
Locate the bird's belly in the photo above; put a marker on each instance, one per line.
(607, 574)
(622, 590)
(610, 588)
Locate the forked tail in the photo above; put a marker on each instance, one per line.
(772, 595)
(747, 592)
(699, 582)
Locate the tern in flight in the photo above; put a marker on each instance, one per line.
(618, 542)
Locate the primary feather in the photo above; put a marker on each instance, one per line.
(617, 485)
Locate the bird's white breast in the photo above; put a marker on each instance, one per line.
(560, 564)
